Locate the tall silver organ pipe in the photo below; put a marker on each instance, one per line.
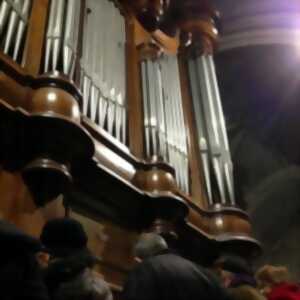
(212, 134)
(103, 60)
(165, 134)
(14, 16)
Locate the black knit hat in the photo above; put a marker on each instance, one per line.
(64, 237)
(14, 241)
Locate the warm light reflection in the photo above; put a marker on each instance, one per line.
(122, 164)
(52, 97)
(219, 222)
(155, 177)
(215, 31)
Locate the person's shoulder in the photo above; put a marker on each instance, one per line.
(170, 257)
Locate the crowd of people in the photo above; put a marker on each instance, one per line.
(59, 266)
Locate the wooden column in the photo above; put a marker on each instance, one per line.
(17, 205)
(195, 165)
(35, 37)
(134, 97)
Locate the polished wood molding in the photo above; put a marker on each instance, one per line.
(149, 50)
(133, 79)
(168, 44)
(139, 207)
(44, 120)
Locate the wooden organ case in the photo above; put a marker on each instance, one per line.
(110, 113)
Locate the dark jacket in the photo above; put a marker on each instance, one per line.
(20, 274)
(20, 278)
(65, 269)
(170, 277)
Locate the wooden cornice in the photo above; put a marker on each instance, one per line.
(169, 23)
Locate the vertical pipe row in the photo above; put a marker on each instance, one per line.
(70, 41)
(149, 86)
(201, 127)
(103, 61)
(227, 162)
(178, 142)
(213, 140)
(103, 66)
(163, 116)
(62, 37)
(14, 15)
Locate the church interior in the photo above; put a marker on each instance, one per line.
(168, 116)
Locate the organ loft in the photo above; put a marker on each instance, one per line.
(110, 113)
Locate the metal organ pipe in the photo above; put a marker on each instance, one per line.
(201, 128)
(70, 42)
(62, 37)
(213, 140)
(14, 16)
(227, 162)
(102, 65)
(165, 134)
(21, 27)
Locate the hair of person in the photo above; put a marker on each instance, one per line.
(86, 286)
(270, 275)
(148, 245)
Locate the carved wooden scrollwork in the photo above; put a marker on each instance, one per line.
(44, 136)
(173, 24)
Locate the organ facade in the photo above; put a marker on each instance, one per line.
(110, 113)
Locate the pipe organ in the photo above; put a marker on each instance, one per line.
(165, 132)
(114, 107)
(101, 63)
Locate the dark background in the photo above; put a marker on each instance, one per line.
(260, 89)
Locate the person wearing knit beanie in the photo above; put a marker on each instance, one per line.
(66, 241)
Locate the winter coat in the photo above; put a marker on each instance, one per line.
(285, 291)
(168, 276)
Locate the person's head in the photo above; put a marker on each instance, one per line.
(228, 267)
(86, 286)
(14, 241)
(268, 276)
(148, 245)
(64, 237)
(20, 276)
